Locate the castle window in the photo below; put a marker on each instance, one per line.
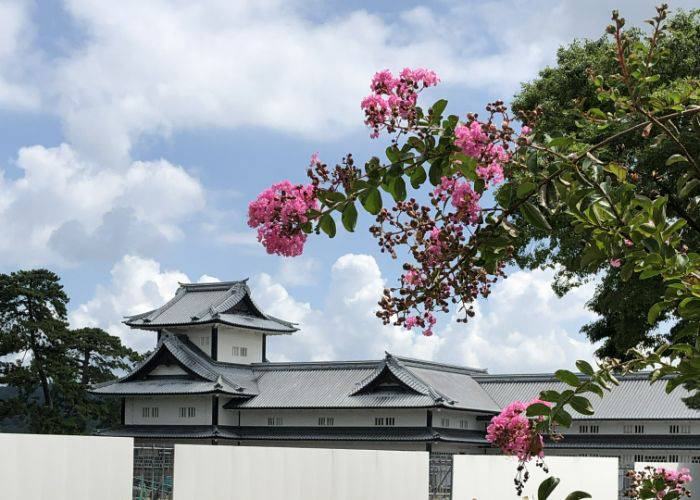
(695, 460)
(239, 351)
(384, 421)
(274, 421)
(204, 341)
(674, 429)
(595, 429)
(187, 412)
(673, 458)
(588, 429)
(464, 424)
(326, 421)
(147, 412)
(633, 429)
(445, 422)
(583, 429)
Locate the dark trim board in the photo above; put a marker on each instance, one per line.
(122, 410)
(215, 343)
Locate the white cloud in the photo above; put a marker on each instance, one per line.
(522, 327)
(137, 285)
(17, 59)
(298, 271)
(64, 208)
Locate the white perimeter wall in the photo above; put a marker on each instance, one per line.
(298, 474)
(46, 467)
(490, 477)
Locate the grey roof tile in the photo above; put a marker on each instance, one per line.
(633, 399)
(204, 303)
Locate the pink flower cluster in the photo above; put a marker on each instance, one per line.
(464, 198)
(395, 98)
(512, 432)
(472, 139)
(426, 322)
(278, 213)
(674, 479)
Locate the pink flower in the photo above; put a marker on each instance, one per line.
(615, 262)
(512, 432)
(278, 213)
(464, 198)
(474, 141)
(525, 130)
(411, 321)
(412, 277)
(393, 99)
(314, 160)
(628, 243)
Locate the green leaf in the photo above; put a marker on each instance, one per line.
(550, 395)
(417, 176)
(349, 217)
(547, 487)
(563, 417)
(372, 201)
(616, 169)
(435, 172)
(533, 215)
(584, 367)
(537, 409)
(398, 189)
(581, 405)
(676, 159)
(327, 224)
(437, 110)
(654, 312)
(525, 188)
(567, 377)
(577, 495)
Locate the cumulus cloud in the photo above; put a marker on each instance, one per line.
(522, 327)
(18, 59)
(137, 285)
(66, 209)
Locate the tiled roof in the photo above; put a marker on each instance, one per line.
(226, 302)
(208, 375)
(633, 399)
(629, 441)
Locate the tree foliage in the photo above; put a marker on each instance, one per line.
(562, 94)
(48, 365)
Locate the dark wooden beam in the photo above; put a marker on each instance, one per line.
(429, 422)
(123, 412)
(160, 332)
(215, 342)
(264, 348)
(215, 410)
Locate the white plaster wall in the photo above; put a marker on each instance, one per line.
(47, 467)
(342, 418)
(230, 336)
(298, 474)
(168, 408)
(617, 426)
(168, 370)
(198, 335)
(454, 417)
(488, 477)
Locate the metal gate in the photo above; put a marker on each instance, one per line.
(153, 472)
(440, 476)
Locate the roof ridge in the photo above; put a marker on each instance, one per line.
(437, 364)
(437, 396)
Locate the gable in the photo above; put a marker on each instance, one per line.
(385, 380)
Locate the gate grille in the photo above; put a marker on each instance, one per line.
(440, 476)
(153, 473)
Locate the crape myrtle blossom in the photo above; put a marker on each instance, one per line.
(392, 103)
(659, 483)
(474, 141)
(278, 213)
(512, 431)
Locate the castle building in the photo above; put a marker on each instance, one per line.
(208, 380)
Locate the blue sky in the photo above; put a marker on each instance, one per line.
(135, 133)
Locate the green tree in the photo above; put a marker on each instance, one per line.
(563, 94)
(48, 365)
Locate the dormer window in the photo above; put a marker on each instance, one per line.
(240, 352)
